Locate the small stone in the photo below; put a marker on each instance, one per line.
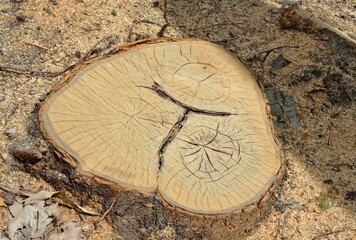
(42, 97)
(289, 3)
(86, 228)
(280, 62)
(267, 18)
(21, 18)
(11, 133)
(351, 196)
(34, 92)
(114, 13)
(275, 10)
(26, 153)
(77, 54)
(328, 181)
(155, 4)
(311, 159)
(306, 76)
(9, 198)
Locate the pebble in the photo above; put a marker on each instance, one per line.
(280, 62)
(306, 76)
(351, 196)
(328, 181)
(42, 97)
(77, 54)
(86, 228)
(267, 18)
(34, 92)
(113, 13)
(155, 4)
(311, 159)
(11, 133)
(9, 198)
(21, 18)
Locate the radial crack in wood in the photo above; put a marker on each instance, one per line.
(217, 165)
(183, 119)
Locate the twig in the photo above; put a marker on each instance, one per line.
(149, 22)
(332, 232)
(329, 135)
(268, 52)
(277, 229)
(105, 213)
(163, 29)
(54, 74)
(36, 45)
(286, 218)
(304, 14)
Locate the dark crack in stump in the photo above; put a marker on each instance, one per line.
(181, 132)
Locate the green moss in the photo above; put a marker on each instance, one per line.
(324, 203)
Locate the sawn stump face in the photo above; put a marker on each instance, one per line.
(184, 119)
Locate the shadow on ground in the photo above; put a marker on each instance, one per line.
(310, 81)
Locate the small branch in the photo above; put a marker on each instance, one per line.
(277, 229)
(332, 232)
(54, 74)
(164, 27)
(304, 14)
(286, 218)
(268, 52)
(35, 45)
(105, 213)
(329, 135)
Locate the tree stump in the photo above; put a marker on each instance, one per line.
(179, 129)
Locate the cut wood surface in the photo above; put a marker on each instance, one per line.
(184, 119)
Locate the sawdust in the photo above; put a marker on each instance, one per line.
(50, 35)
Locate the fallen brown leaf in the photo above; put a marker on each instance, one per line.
(34, 197)
(69, 202)
(69, 230)
(40, 221)
(21, 192)
(31, 221)
(41, 195)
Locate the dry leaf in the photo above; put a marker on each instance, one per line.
(21, 192)
(69, 202)
(41, 195)
(34, 197)
(31, 221)
(69, 230)
(40, 221)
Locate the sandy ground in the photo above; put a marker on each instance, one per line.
(317, 200)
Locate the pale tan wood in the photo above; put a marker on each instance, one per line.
(217, 165)
(184, 118)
